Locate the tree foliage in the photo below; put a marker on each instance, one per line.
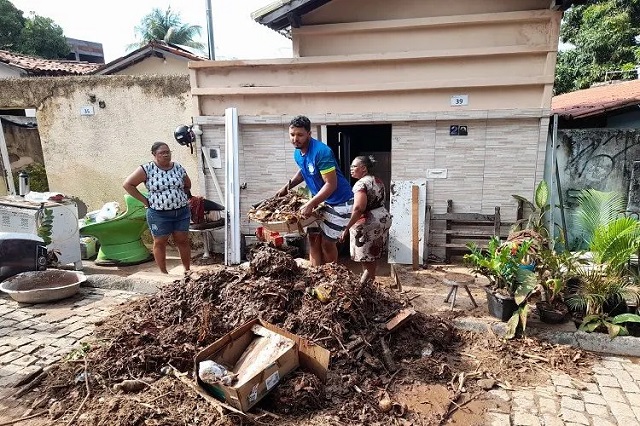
(166, 26)
(43, 37)
(34, 35)
(11, 23)
(603, 35)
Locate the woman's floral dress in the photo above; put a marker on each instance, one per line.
(368, 236)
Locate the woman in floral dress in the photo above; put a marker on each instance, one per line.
(370, 221)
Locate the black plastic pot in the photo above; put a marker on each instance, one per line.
(552, 314)
(613, 307)
(500, 306)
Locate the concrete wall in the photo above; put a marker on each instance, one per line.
(363, 26)
(597, 158)
(500, 54)
(154, 65)
(601, 159)
(90, 156)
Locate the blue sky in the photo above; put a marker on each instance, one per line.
(112, 23)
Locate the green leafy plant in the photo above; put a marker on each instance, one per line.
(595, 209)
(554, 270)
(614, 326)
(44, 222)
(499, 262)
(517, 321)
(538, 209)
(614, 243)
(596, 288)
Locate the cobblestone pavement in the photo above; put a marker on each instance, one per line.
(33, 337)
(612, 397)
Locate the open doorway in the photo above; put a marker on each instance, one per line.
(348, 142)
(20, 150)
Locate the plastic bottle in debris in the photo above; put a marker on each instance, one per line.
(211, 372)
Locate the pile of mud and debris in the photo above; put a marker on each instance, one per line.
(137, 369)
(279, 209)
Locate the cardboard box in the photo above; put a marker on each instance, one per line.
(261, 354)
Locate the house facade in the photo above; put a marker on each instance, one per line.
(454, 94)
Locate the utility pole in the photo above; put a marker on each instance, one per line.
(212, 47)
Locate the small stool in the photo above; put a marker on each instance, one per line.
(455, 279)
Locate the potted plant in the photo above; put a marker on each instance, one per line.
(606, 282)
(538, 208)
(500, 263)
(554, 271)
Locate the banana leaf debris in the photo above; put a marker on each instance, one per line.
(138, 367)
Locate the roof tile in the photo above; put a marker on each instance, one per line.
(596, 100)
(49, 67)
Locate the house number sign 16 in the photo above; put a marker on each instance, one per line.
(459, 100)
(87, 110)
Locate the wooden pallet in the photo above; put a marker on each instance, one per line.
(463, 228)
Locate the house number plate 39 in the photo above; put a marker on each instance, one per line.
(459, 100)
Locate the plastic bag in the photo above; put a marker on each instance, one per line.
(211, 372)
(107, 212)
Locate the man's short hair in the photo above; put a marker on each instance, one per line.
(301, 121)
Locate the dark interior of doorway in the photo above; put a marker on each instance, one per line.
(350, 141)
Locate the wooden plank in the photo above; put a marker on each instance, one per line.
(462, 246)
(395, 277)
(400, 318)
(415, 223)
(468, 217)
(470, 233)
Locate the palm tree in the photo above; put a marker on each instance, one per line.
(168, 27)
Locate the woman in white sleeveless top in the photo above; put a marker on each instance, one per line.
(168, 212)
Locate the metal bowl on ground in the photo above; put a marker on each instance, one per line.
(43, 286)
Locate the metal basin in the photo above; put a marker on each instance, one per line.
(43, 286)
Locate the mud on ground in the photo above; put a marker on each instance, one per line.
(432, 373)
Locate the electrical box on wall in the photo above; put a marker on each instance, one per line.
(214, 158)
(436, 173)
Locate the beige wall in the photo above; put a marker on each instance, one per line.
(368, 62)
(90, 156)
(502, 58)
(154, 65)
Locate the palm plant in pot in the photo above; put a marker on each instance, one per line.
(607, 281)
(500, 263)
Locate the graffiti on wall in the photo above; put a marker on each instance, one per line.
(597, 158)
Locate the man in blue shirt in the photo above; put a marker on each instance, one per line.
(319, 170)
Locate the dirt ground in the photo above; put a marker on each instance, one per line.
(431, 374)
